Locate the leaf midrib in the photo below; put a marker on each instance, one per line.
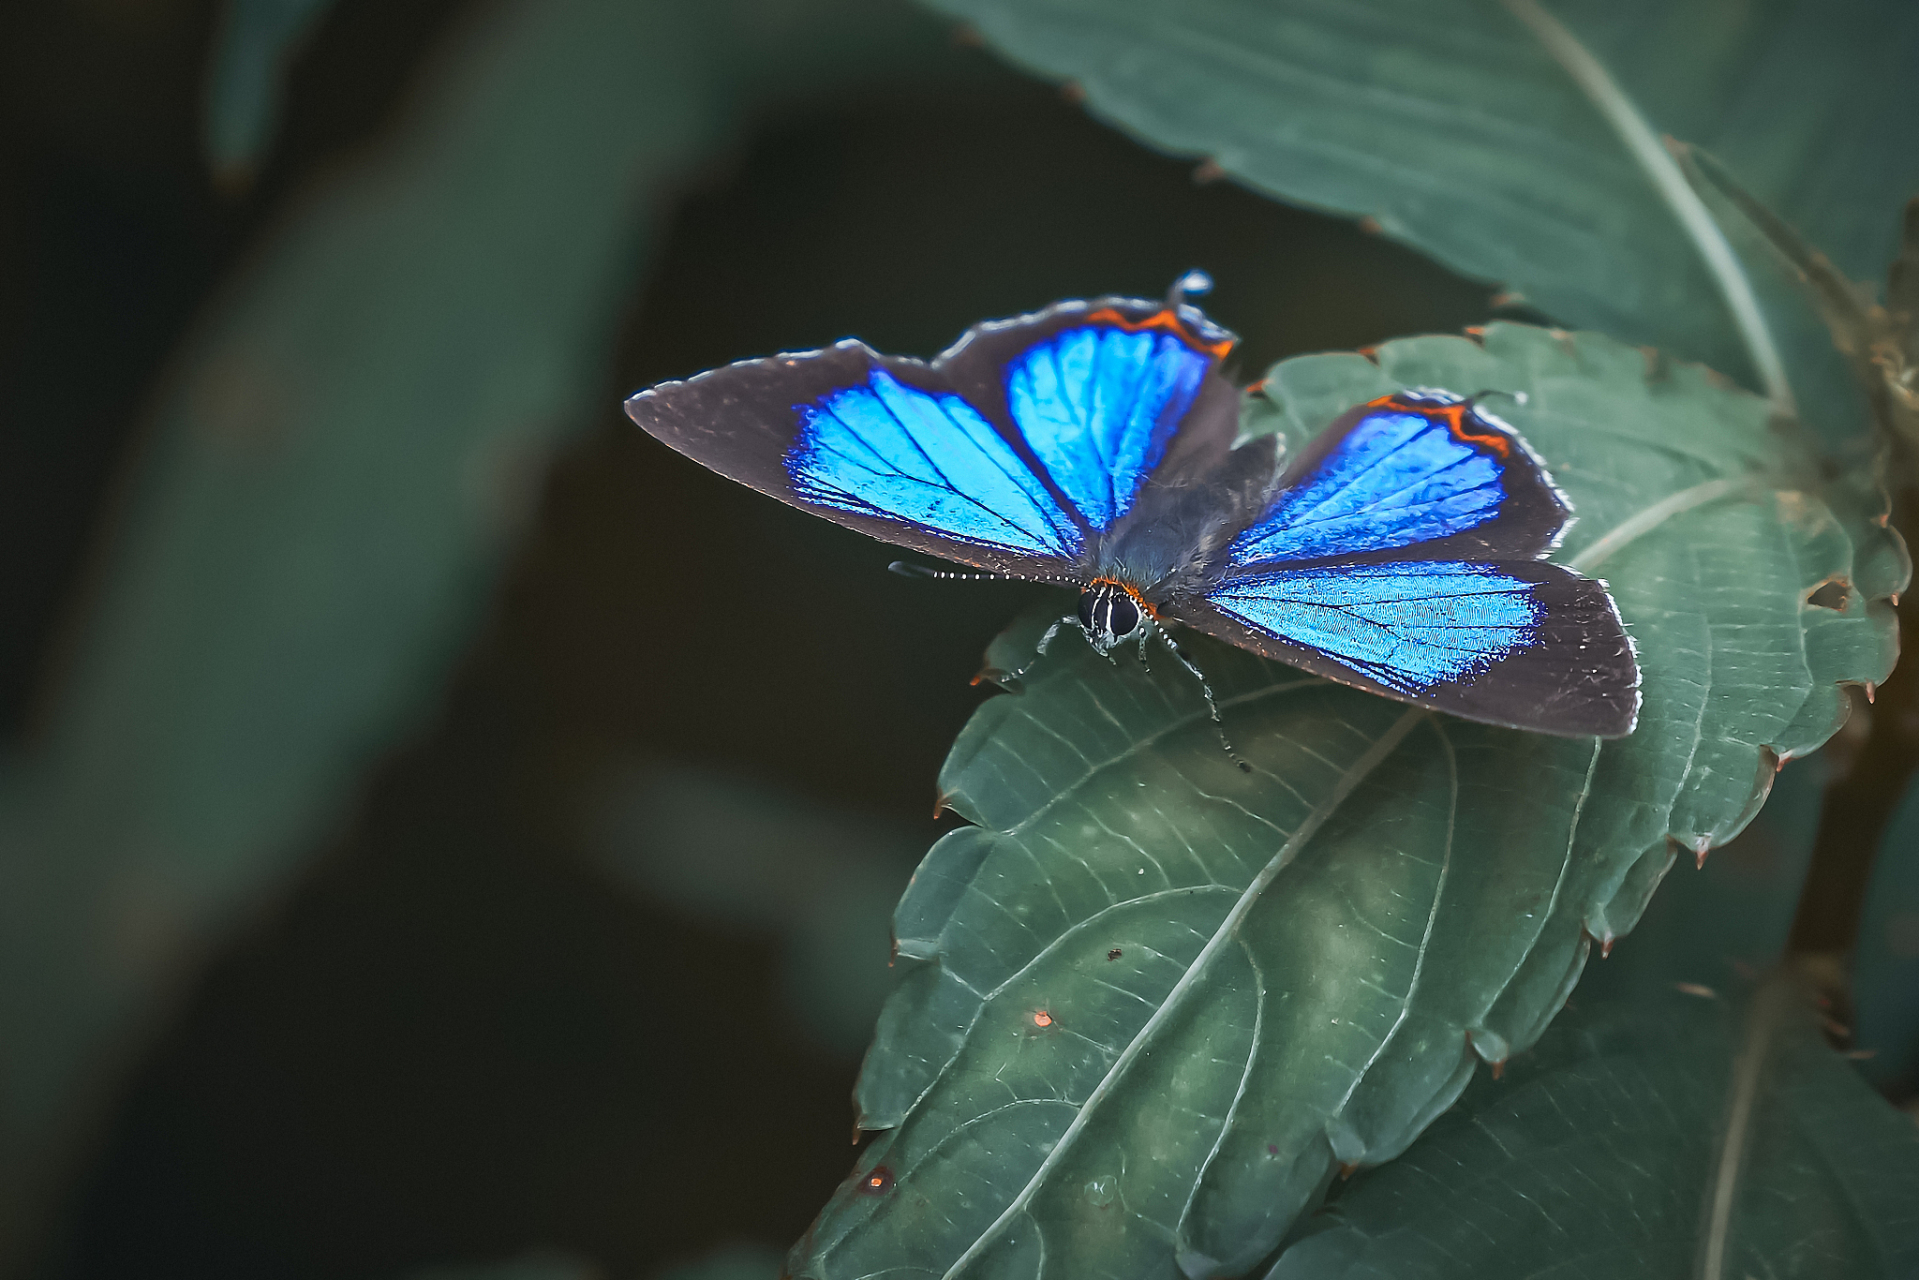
(1356, 773)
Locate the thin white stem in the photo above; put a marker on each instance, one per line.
(1641, 523)
(1663, 171)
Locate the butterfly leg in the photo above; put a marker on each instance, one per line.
(1039, 650)
(1206, 689)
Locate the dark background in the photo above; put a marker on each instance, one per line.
(459, 1038)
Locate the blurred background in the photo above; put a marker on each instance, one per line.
(438, 825)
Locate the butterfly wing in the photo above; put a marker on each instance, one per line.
(1420, 473)
(1522, 643)
(1402, 555)
(1013, 450)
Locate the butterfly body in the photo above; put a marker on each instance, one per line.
(1093, 444)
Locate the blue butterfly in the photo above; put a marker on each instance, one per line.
(1092, 443)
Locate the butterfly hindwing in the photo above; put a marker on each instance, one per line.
(1522, 643)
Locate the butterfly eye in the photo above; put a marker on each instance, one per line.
(1108, 613)
(1090, 607)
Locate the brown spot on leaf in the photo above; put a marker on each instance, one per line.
(1833, 593)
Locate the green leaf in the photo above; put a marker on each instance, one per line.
(823, 881)
(1158, 1000)
(735, 1262)
(1673, 1136)
(1462, 129)
(1729, 914)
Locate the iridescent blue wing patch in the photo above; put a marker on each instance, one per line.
(1098, 404)
(1522, 643)
(926, 460)
(1423, 473)
(1409, 625)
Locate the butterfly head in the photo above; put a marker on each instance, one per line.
(1111, 612)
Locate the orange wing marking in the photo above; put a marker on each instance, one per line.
(1165, 320)
(1454, 416)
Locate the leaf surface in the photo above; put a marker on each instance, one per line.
(1674, 1136)
(1454, 128)
(1157, 1001)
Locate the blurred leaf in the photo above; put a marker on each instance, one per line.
(1163, 1000)
(533, 1266)
(1675, 1136)
(736, 1262)
(1880, 342)
(344, 453)
(1886, 967)
(821, 880)
(253, 49)
(1452, 126)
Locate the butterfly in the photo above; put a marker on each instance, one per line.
(1093, 443)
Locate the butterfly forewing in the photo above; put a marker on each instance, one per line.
(1009, 452)
(1414, 474)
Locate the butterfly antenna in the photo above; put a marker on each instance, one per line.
(906, 570)
(1205, 688)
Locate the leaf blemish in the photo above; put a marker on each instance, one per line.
(878, 1182)
(1113, 954)
(1042, 1019)
(1833, 593)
